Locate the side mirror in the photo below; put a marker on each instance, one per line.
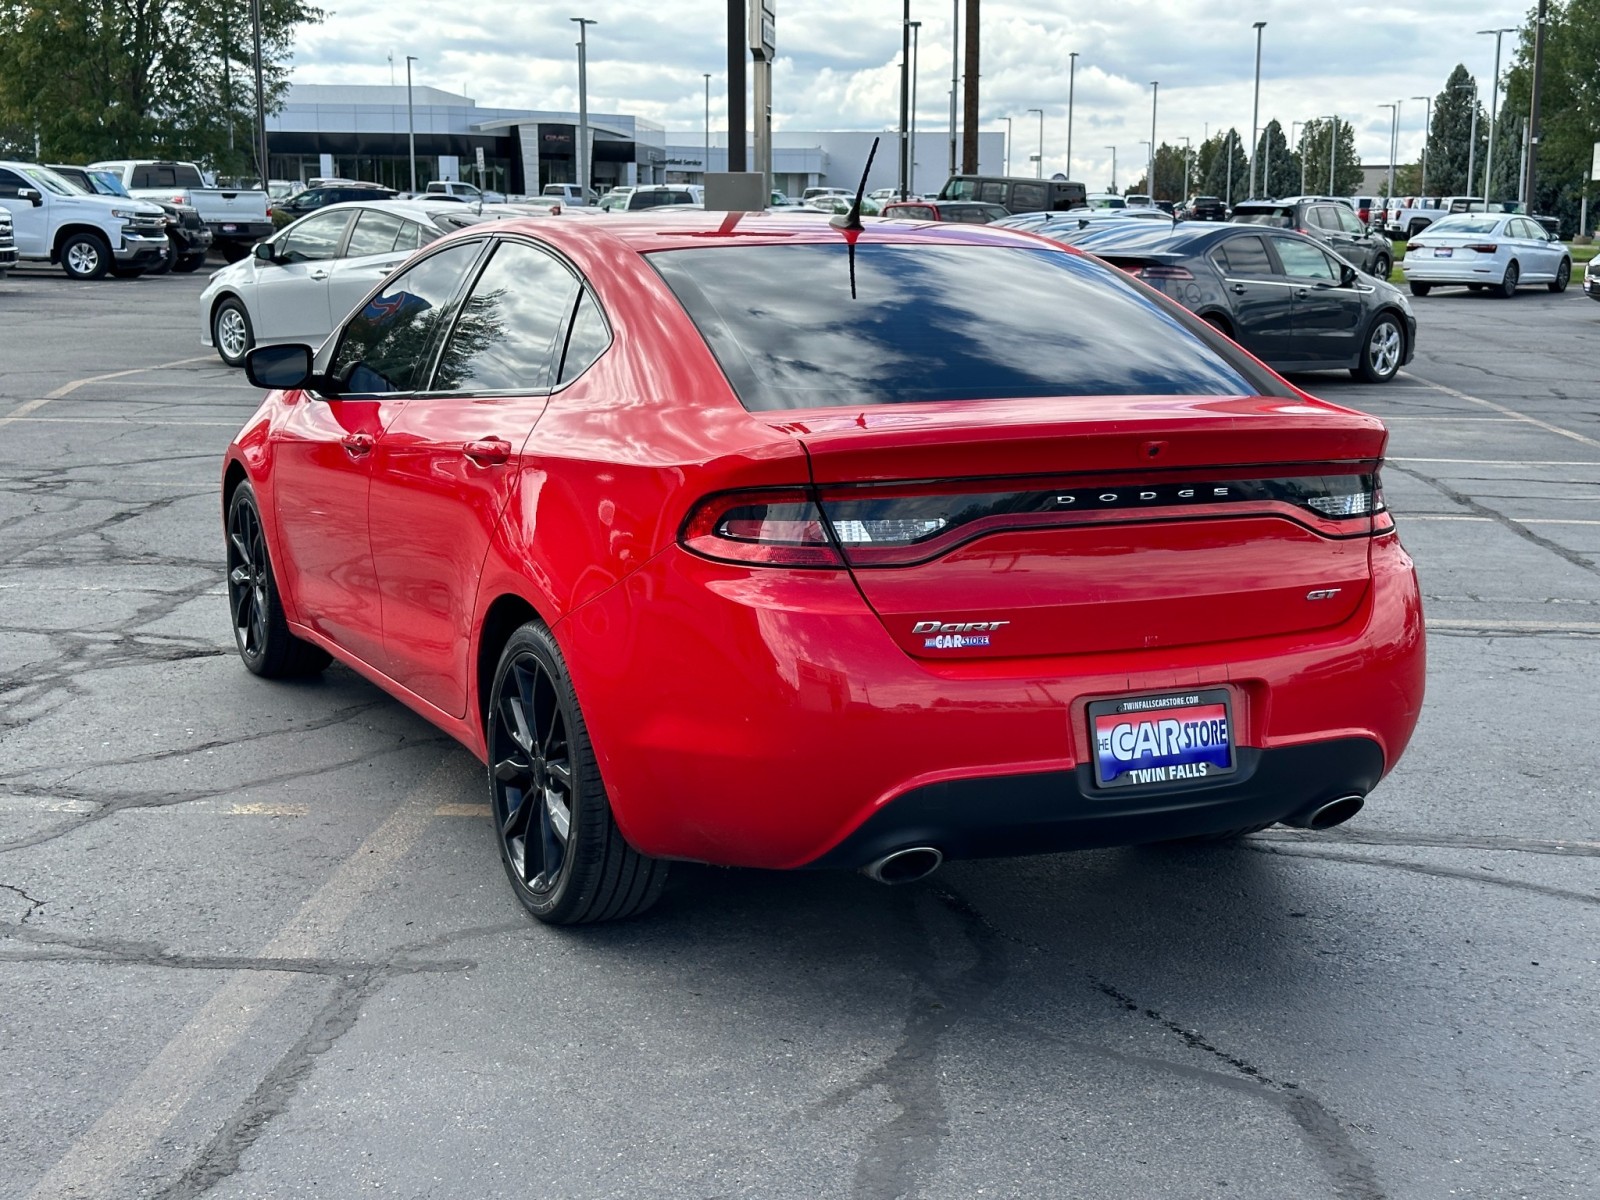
(1347, 275)
(31, 195)
(264, 252)
(279, 367)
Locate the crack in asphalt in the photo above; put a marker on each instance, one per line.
(34, 906)
(1436, 872)
(1424, 841)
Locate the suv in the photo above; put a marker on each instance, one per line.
(1017, 195)
(87, 235)
(1331, 222)
(313, 198)
(1205, 208)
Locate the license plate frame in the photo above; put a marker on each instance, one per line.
(1182, 765)
(1443, 251)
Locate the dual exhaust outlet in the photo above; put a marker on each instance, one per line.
(918, 862)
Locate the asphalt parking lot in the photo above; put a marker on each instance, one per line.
(257, 941)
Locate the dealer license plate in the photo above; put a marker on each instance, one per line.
(1443, 251)
(1170, 738)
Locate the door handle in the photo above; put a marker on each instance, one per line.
(319, 276)
(1300, 293)
(489, 452)
(357, 445)
(1239, 289)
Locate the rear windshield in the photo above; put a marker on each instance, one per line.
(1466, 224)
(795, 327)
(1278, 218)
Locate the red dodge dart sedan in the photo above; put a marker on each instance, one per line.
(746, 539)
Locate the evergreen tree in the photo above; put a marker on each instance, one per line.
(1569, 111)
(1277, 172)
(1314, 152)
(1228, 150)
(1450, 135)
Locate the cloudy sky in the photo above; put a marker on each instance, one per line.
(838, 63)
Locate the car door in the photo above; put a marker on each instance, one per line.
(1327, 314)
(323, 449)
(1356, 246)
(377, 243)
(30, 222)
(1260, 298)
(1538, 254)
(291, 300)
(446, 467)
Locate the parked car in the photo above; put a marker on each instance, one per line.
(1016, 195)
(970, 212)
(837, 565)
(237, 217)
(657, 195)
(8, 243)
(1105, 200)
(811, 193)
(1205, 208)
(1591, 277)
(1332, 222)
(1365, 208)
(56, 222)
(188, 239)
(616, 198)
(1139, 200)
(460, 189)
(1486, 251)
(1278, 293)
(1081, 218)
(322, 195)
(302, 281)
(571, 193)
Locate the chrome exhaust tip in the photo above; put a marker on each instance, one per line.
(1325, 814)
(905, 866)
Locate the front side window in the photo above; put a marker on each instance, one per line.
(1349, 222)
(1303, 260)
(387, 346)
(11, 183)
(960, 189)
(916, 212)
(315, 239)
(505, 338)
(805, 326)
(992, 192)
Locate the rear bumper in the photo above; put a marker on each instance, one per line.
(1452, 270)
(240, 231)
(767, 719)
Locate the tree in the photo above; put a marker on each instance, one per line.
(1450, 136)
(1277, 171)
(124, 78)
(1569, 111)
(1227, 149)
(1314, 153)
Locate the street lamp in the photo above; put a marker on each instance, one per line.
(1494, 115)
(1255, 112)
(1472, 134)
(1427, 133)
(411, 123)
(1188, 145)
(916, 28)
(1392, 109)
(1038, 169)
(1072, 80)
(583, 106)
(1150, 172)
(1155, 90)
(955, 59)
(1300, 150)
(706, 166)
(1113, 150)
(1007, 120)
(1333, 148)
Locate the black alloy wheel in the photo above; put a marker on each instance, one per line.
(1508, 285)
(259, 628)
(567, 860)
(1563, 276)
(1382, 350)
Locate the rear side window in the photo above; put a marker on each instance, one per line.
(1275, 217)
(375, 233)
(505, 338)
(926, 323)
(992, 192)
(1245, 257)
(1027, 196)
(387, 346)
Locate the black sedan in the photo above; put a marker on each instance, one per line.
(1279, 294)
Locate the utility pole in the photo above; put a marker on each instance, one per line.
(261, 94)
(955, 82)
(969, 97)
(736, 57)
(1472, 137)
(1333, 149)
(1230, 168)
(911, 176)
(1531, 171)
(905, 100)
(1255, 112)
(706, 166)
(1390, 107)
(1038, 168)
(1113, 150)
(582, 150)
(1494, 114)
(1150, 183)
(1072, 81)
(411, 121)
(1188, 145)
(1266, 162)
(1007, 120)
(1427, 136)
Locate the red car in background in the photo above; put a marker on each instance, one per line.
(750, 540)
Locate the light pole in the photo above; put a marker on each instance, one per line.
(905, 101)
(1229, 153)
(1391, 109)
(261, 103)
(706, 166)
(1255, 111)
(1072, 82)
(1113, 150)
(1494, 114)
(1007, 120)
(955, 59)
(1300, 150)
(1150, 172)
(411, 123)
(1155, 90)
(1333, 148)
(1427, 135)
(1472, 136)
(916, 29)
(583, 106)
(1038, 169)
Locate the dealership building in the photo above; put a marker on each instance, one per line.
(361, 132)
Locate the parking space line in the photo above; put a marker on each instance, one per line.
(66, 389)
(1501, 408)
(128, 1129)
(1491, 520)
(1500, 462)
(1485, 625)
(113, 421)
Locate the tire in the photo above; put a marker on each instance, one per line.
(1563, 276)
(1220, 324)
(232, 252)
(188, 263)
(231, 331)
(1416, 228)
(85, 256)
(1421, 289)
(542, 777)
(1382, 267)
(1382, 350)
(266, 647)
(1474, 287)
(1507, 287)
(169, 259)
(127, 272)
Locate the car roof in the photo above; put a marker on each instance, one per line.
(1149, 237)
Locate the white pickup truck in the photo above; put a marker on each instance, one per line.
(1407, 216)
(236, 217)
(86, 235)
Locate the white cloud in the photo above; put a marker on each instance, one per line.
(838, 65)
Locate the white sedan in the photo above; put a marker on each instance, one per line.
(1498, 251)
(300, 283)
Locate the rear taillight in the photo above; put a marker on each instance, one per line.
(180, 199)
(1483, 248)
(778, 528)
(1165, 273)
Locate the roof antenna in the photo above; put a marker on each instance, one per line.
(852, 219)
